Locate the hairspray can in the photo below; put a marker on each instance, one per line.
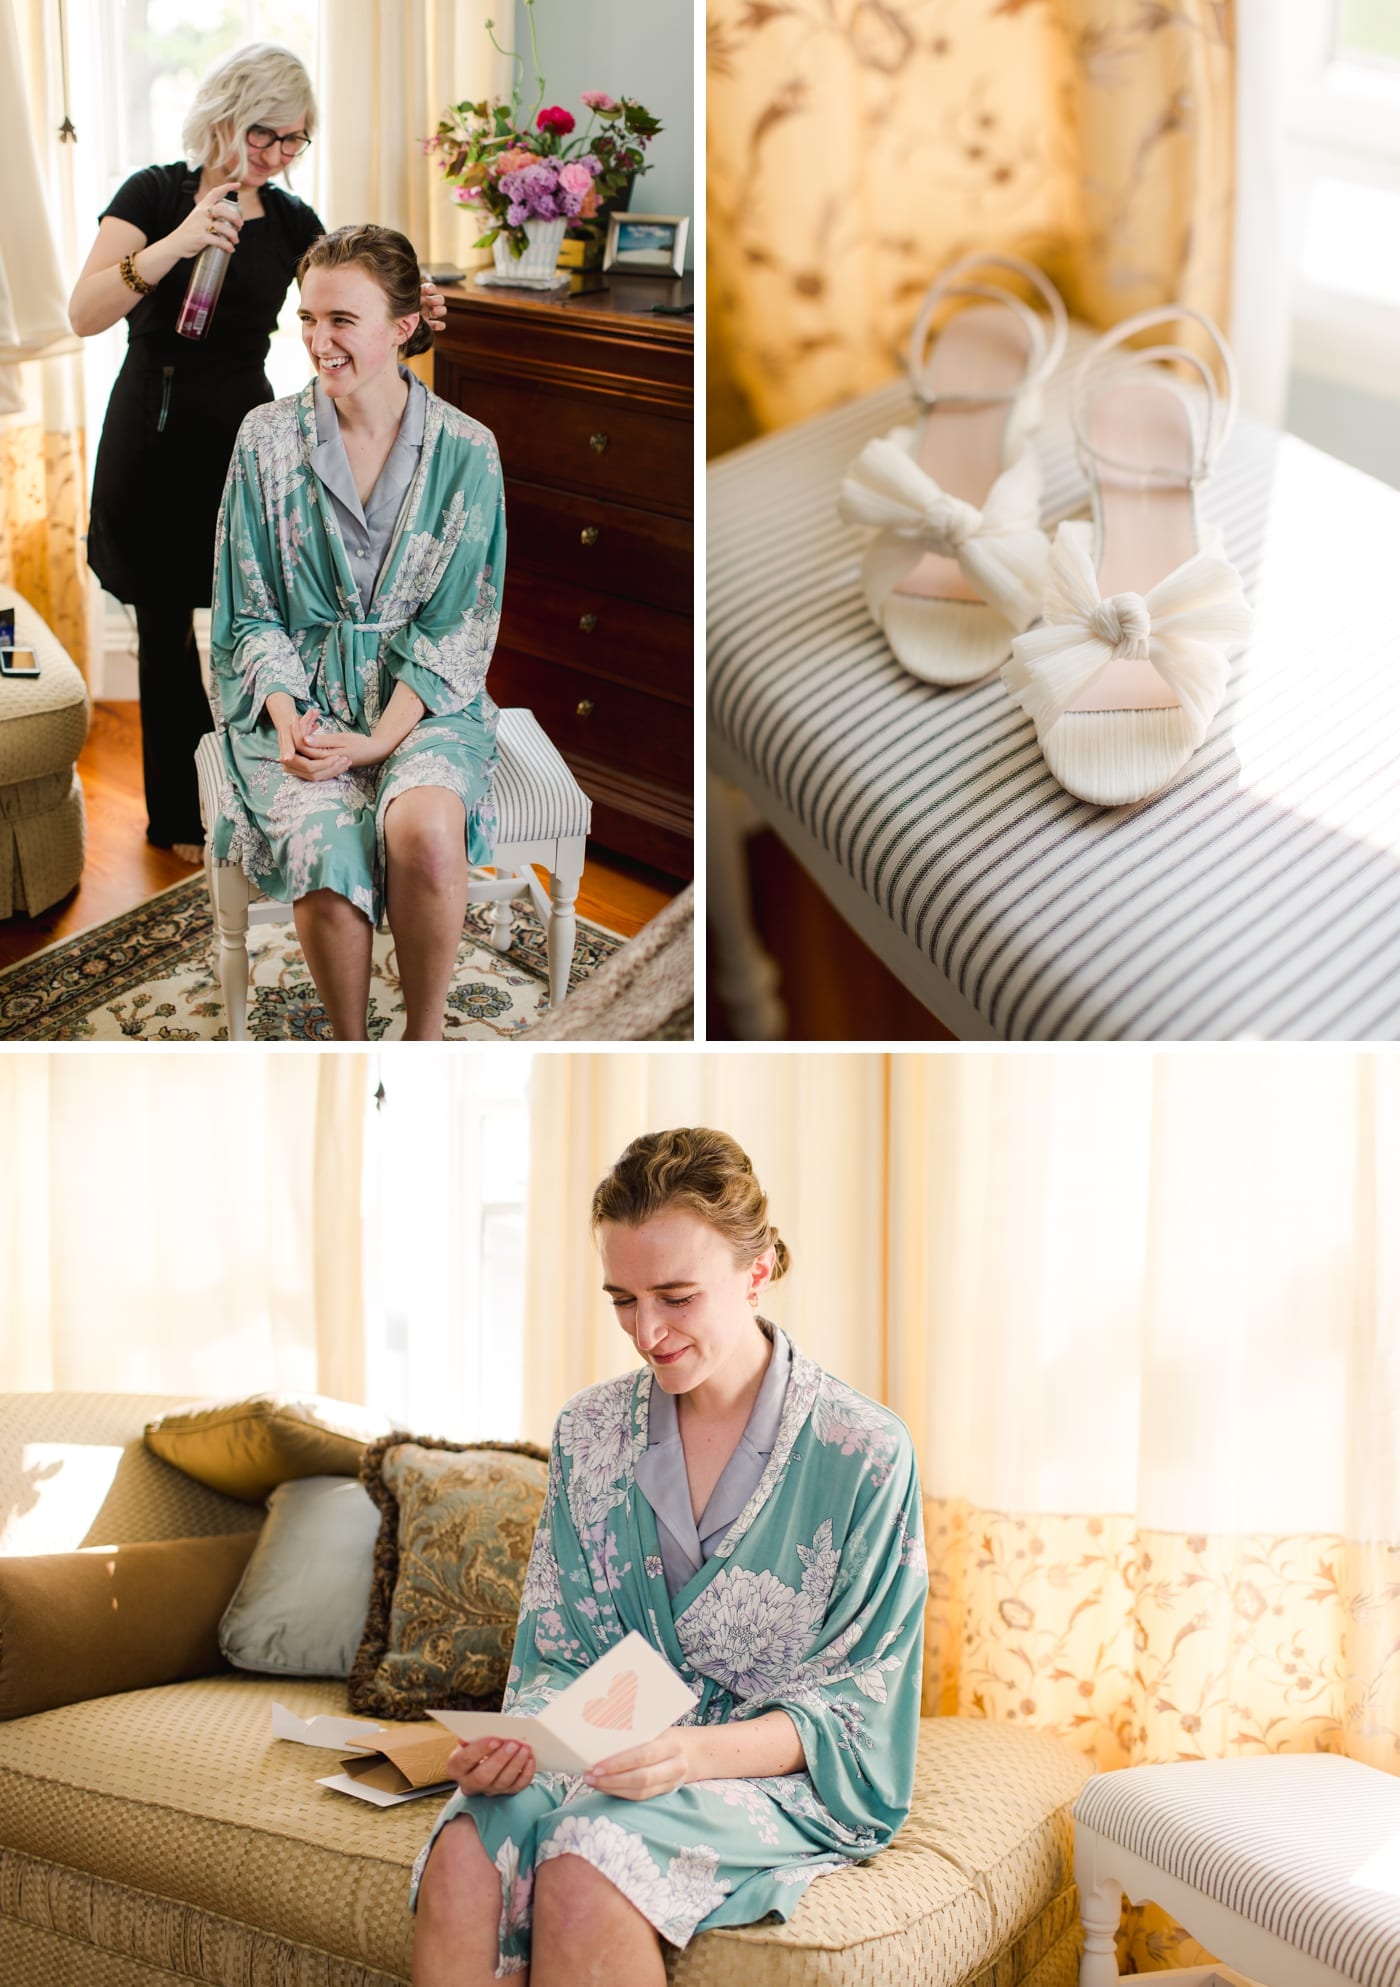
(197, 311)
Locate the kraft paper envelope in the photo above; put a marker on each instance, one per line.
(629, 1696)
(392, 1757)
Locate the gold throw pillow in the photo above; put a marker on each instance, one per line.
(246, 1448)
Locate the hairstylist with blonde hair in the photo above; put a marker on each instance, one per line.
(177, 403)
(758, 1521)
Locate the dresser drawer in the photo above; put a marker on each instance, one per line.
(638, 555)
(590, 718)
(621, 639)
(595, 444)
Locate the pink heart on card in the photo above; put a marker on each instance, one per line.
(613, 1713)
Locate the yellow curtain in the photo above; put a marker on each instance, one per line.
(1141, 1312)
(43, 474)
(385, 74)
(182, 1226)
(854, 150)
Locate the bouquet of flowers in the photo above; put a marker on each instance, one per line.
(516, 167)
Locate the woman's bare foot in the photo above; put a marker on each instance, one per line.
(190, 852)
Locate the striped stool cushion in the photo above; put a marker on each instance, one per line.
(1259, 896)
(537, 797)
(1305, 1845)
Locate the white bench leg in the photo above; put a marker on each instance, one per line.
(229, 895)
(1100, 1909)
(564, 881)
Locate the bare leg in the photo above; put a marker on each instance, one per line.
(459, 1912)
(336, 939)
(585, 1932)
(425, 834)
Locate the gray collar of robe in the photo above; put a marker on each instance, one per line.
(332, 465)
(662, 1480)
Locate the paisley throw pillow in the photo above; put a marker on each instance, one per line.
(458, 1521)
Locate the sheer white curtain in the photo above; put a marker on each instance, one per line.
(386, 71)
(183, 1224)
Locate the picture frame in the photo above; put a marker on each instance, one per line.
(18, 662)
(647, 244)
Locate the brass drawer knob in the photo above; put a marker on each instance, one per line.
(585, 709)
(597, 443)
(587, 623)
(589, 535)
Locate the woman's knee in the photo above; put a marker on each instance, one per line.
(571, 1896)
(460, 1884)
(427, 838)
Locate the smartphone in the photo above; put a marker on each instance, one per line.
(13, 661)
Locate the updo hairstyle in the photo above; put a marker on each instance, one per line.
(389, 258)
(702, 1171)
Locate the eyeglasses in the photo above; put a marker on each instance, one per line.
(260, 139)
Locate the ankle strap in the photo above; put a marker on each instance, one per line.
(1045, 351)
(1090, 375)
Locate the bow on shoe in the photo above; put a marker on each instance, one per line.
(1000, 549)
(1183, 627)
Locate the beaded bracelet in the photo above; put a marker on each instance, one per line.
(133, 278)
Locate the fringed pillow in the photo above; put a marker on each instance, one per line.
(458, 1521)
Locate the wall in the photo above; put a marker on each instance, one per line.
(631, 48)
(1360, 427)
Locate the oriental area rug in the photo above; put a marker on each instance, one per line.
(149, 976)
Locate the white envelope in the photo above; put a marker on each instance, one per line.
(629, 1696)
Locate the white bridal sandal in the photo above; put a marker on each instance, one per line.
(1130, 662)
(958, 564)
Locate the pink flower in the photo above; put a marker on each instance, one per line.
(513, 160)
(556, 118)
(599, 100)
(576, 179)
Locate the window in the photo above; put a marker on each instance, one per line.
(135, 66)
(1342, 164)
(447, 1153)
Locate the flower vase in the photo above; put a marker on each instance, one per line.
(537, 265)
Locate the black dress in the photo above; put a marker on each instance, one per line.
(177, 402)
(172, 420)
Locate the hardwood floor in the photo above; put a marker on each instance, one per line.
(123, 870)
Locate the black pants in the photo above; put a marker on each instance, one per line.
(174, 717)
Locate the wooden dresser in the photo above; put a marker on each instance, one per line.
(591, 401)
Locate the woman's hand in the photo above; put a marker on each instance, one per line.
(434, 308)
(638, 1775)
(492, 1766)
(295, 753)
(203, 228)
(355, 748)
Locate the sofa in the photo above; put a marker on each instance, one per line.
(160, 1836)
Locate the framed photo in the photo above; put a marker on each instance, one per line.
(647, 244)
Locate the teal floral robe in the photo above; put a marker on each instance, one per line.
(813, 1603)
(287, 616)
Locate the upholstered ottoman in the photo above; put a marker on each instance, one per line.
(43, 722)
(1287, 1867)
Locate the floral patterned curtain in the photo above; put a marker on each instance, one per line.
(856, 146)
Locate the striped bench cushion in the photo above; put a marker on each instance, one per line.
(1259, 896)
(1305, 1845)
(537, 797)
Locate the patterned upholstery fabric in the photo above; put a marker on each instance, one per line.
(167, 1826)
(74, 1471)
(1283, 1840)
(43, 722)
(449, 1566)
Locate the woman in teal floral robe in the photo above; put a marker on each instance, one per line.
(811, 1604)
(289, 616)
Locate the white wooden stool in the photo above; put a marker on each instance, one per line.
(542, 816)
(1286, 1866)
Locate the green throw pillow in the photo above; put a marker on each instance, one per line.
(457, 1525)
